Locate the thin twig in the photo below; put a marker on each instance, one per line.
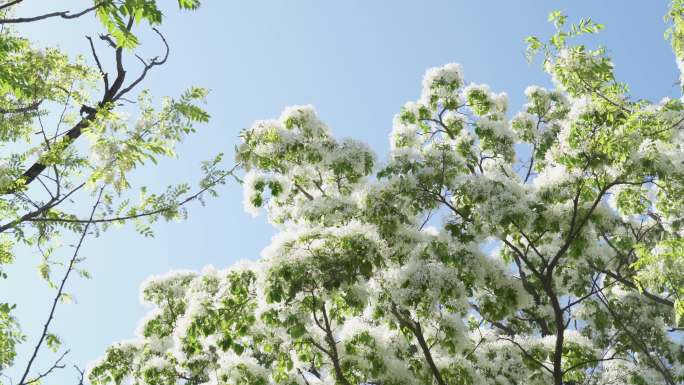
(56, 365)
(161, 210)
(60, 291)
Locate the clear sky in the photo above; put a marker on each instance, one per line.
(357, 61)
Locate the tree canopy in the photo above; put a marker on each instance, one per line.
(539, 247)
(72, 130)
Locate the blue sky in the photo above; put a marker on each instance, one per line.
(357, 61)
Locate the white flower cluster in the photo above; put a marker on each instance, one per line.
(441, 82)
(482, 251)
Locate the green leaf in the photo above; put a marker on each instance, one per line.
(53, 342)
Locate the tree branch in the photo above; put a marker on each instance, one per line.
(162, 210)
(415, 328)
(333, 349)
(57, 297)
(55, 365)
(63, 14)
(9, 4)
(18, 110)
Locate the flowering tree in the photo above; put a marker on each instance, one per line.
(542, 248)
(72, 133)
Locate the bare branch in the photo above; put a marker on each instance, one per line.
(104, 75)
(63, 14)
(56, 365)
(147, 66)
(81, 374)
(9, 4)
